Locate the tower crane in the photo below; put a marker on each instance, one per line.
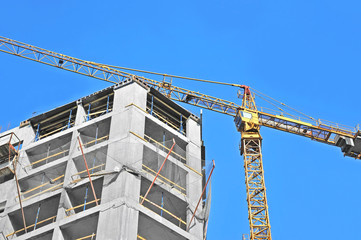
(248, 118)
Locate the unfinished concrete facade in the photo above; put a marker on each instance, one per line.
(125, 132)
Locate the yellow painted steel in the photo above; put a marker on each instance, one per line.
(91, 236)
(20, 230)
(138, 136)
(46, 190)
(258, 216)
(141, 238)
(43, 159)
(56, 115)
(81, 205)
(160, 117)
(173, 110)
(95, 113)
(42, 185)
(98, 166)
(98, 99)
(54, 131)
(96, 140)
(113, 75)
(165, 180)
(145, 140)
(132, 104)
(318, 130)
(149, 139)
(163, 209)
(163, 119)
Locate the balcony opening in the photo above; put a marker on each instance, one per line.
(98, 104)
(54, 121)
(82, 197)
(82, 229)
(151, 229)
(172, 175)
(95, 133)
(163, 139)
(43, 236)
(168, 112)
(164, 204)
(49, 151)
(37, 215)
(96, 160)
(42, 182)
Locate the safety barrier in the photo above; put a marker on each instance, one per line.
(159, 116)
(31, 226)
(68, 125)
(79, 206)
(158, 143)
(164, 180)
(164, 210)
(91, 236)
(42, 185)
(46, 158)
(96, 141)
(90, 169)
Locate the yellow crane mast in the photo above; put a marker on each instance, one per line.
(247, 116)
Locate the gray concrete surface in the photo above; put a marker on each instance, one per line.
(119, 214)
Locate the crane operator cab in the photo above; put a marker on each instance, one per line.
(247, 124)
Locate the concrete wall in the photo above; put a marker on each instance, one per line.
(119, 214)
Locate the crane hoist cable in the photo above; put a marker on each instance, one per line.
(283, 104)
(174, 76)
(213, 82)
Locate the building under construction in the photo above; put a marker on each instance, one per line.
(123, 163)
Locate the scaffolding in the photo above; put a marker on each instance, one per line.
(10, 145)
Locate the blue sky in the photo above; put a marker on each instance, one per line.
(304, 53)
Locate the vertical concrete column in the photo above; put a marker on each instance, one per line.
(70, 167)
(5, 225)
(124, 152)
(27, 135)
(57, 234)
(194, 180)
(80, 113)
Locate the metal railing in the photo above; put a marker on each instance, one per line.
(84, 171)
(53, 188)
(163, 146)
(96, 141)
(181, 221)
(48, 157)
(164, 180)
(31, 226)
(79, 206)
(91, 237)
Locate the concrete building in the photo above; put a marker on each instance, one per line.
(125, 132)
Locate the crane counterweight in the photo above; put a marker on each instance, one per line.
(351, 147)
